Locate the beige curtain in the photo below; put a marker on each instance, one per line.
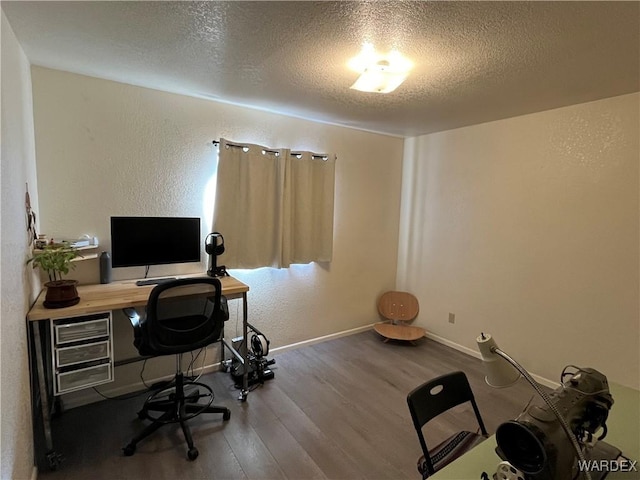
(308, 208)
(273, 207)
(248, 205)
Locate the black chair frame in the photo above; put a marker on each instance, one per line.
(171, 402)
(435, 397)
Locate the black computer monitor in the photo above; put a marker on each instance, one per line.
(140, 241)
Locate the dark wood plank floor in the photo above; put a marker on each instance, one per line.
(334, 410)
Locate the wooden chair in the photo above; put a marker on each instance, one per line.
(398, 308)
(430, 400)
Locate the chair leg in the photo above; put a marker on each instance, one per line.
(192, 453)
(194, 408)
(176, 408)
(130, 448)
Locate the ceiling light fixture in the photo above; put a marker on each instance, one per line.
(379, 73)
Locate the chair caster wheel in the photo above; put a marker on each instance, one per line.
(192, 454)
(226, 415)
(129, 450)
(54, 460)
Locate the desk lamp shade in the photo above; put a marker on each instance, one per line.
(499, 373)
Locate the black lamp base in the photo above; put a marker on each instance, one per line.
(220, 271)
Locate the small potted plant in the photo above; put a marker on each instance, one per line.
(55, 259)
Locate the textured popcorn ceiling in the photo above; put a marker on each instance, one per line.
(474, 61)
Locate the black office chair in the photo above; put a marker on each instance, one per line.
(430, 400)
(182, 315)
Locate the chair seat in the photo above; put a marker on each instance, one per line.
(446, 452)
(399, 332)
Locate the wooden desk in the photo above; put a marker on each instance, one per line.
(117, 295)
(107, 297)
(623, 432)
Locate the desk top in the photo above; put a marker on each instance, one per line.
(112, 296)
(623, 432)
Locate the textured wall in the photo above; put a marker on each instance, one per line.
(18, 283)
(527, 228)
(106, 148)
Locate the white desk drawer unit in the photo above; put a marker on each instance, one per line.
(82, 350)
(79, 330)
(82, 353)
(83, 378)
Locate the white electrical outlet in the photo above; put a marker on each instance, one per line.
(452, 317)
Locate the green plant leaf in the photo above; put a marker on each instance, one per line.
(55, 260)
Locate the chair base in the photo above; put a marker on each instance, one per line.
(176, 408)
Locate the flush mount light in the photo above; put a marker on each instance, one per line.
(379, 78)
(379, 73)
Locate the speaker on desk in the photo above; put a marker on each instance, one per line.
(105, 267)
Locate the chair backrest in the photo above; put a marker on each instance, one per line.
(182, 315)
(437, 396)
(398, 306)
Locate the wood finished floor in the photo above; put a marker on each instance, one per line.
(335, 410)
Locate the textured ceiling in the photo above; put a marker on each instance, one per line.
(474, 61)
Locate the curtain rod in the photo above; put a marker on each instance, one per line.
(237, 145)
(216, 143)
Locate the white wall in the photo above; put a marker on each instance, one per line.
(18, 284)
(528, 228)
(106, 148)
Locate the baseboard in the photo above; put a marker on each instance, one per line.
(324, 338)
(436, 338)
(476, 354)
(455, 346)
